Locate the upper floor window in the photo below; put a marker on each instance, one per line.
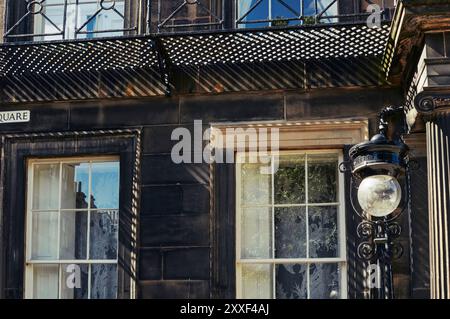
(290, 234)
(187, 15)
(260, 13)
(83, 18)
(45, 20)
(72, 228)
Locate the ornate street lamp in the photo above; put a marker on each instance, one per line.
(379, 193)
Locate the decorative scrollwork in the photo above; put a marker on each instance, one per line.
(344, 166)
(107, 6)
(427, 102)
(366, 250)
(365, 230)
(394, 230)
(426, 105)
(397, 250)
(413, 165)
(35, 7)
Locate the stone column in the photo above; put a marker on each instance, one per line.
(435, 108)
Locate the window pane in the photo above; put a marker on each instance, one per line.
(290, 232)
(256, 239)
(104, 234)
(322, 178)
(324, 281)
(105, 185)
(75, 185)
(102, 21)
(257, 281)
(73, 241)
(256, 186)
(291, 281)
(45, 281)
(47, 26)
(260, 12)
(46, 186)
(323, 232)
(45, 236)
(289, 180)
(103, 281)
(74, 281)
(285, 9)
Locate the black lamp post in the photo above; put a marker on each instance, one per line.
(380, 183)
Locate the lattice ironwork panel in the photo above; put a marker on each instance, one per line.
(275, 75)
(277, 45)
(82, 85)
(193, 63)
(77, 56)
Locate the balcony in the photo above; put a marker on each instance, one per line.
(46, 20)
(89, 49)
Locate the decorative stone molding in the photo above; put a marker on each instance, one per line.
(427, 102)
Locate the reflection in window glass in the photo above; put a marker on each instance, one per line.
(290, 180)
(323, 232)
(322, 179)
(104, 234)
(290, 232)
(75, 186)
(294, 241)
(324, 280)
(291, 281)
(73, 235)
(105, 181)
(74, 281)
(265, 13)
(104, 281)
(77, 240)
(87, 19)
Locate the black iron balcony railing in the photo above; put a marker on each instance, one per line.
(43, 20)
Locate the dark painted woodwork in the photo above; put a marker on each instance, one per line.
(356, 266)
(17, 150)
(224, 232)
(418, 214)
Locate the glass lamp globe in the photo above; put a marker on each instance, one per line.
(379, 195)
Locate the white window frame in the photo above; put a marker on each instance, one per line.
(341, 260)
(29, 262)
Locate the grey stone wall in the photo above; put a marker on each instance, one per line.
(176, 220)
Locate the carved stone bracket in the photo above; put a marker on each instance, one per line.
(428, 102)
